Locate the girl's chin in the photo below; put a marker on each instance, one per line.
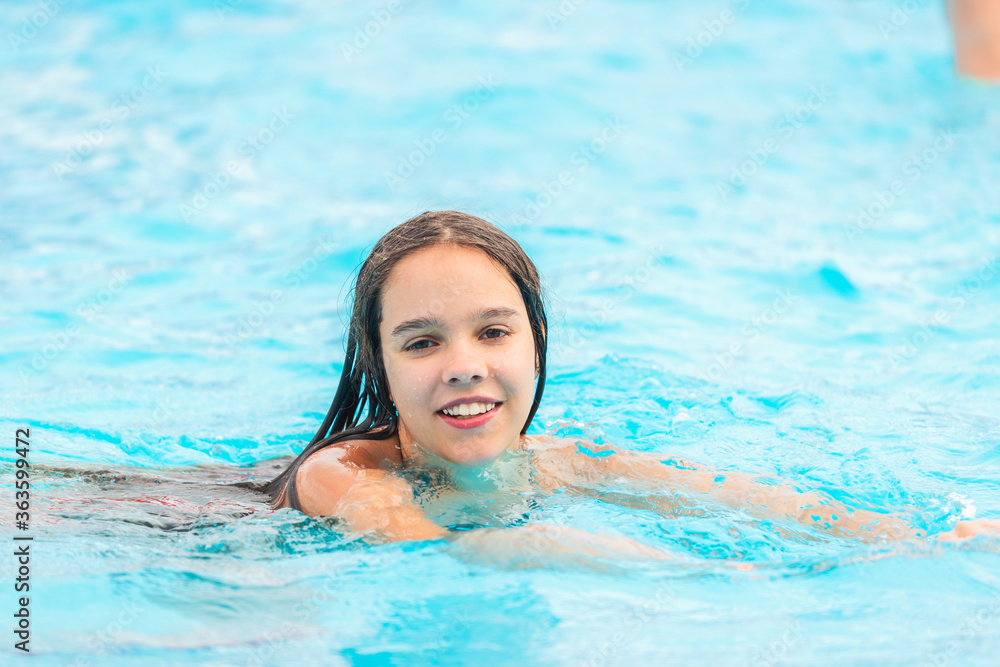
(472, 458)
(477, 460)
(471, 453)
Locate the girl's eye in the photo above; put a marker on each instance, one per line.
(424, 343)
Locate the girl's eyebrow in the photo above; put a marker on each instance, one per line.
(421, 323)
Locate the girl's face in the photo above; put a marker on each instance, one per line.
(459, 354)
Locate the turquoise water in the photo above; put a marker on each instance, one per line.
(771, 243)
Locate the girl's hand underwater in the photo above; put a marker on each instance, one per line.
(542, 545)
(964, 530)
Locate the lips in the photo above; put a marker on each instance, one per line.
(469, 422)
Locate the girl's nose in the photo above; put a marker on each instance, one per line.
(463, 368)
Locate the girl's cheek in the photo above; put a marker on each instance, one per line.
(517, 360)
(501, 364)
(401, 379)
(388, 363)
(420, 377)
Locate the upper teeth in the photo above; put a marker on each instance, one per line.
(469, 409)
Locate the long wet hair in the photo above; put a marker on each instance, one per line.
(362, 408)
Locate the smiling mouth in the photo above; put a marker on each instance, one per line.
(476, 414)
(469, 410)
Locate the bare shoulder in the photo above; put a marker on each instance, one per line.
(581, 463)
(323, 478)
(349, 481)
(590, 453)
(361, 453)
(584, 459)
(564, 461)
(569, 448)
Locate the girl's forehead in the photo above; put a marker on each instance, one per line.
(448, 268)
(444, 281)
(445, 255)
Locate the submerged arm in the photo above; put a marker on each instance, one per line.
(377, 502)
(975, 26)
(767, 497)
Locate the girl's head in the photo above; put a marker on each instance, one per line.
(447, 311)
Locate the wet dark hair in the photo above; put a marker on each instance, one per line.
(362, 408)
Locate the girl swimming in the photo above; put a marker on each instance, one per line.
(444, 371)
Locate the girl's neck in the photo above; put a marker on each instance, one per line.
(507, 472)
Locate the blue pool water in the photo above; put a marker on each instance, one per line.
(771, 242)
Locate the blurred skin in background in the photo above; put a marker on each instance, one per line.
(975, 26)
